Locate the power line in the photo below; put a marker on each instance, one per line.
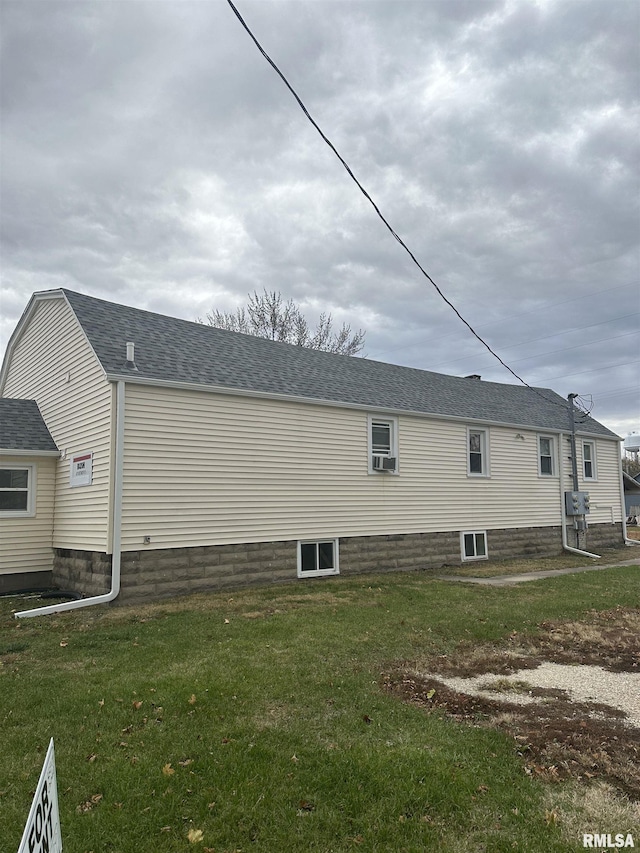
(543, 307)
(364, 192)
(594, 370)
(549, 352)
(615, 392)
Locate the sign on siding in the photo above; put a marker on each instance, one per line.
(42, 832)
(81, 470)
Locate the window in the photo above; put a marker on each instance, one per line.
(16, 488)
(474, 545)
(589, 460)
(383, 442)
(477, 456)
(318, 558)
(546, 456)
(381, 438)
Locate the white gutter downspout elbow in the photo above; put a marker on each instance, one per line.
(113, 593)
(565, 543)
(568, 547)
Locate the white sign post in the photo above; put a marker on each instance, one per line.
(42, 831)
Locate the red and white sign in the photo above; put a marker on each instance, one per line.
(81, 470)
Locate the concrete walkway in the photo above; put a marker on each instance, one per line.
(509, 580)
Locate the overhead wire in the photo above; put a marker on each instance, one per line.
(615, 392)
(594, 369)
(382, 218)
(543, 307)
(549, 352)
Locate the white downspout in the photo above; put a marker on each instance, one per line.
(117, 526)
(565, 543)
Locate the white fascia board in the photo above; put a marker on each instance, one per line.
(339, 404)
(595, 435)
(54, 454)
(40, 296)
(21, 326)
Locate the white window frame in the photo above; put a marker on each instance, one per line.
(334, 570)
(30, 511)
(392, 423)
(475, 556)
(594, 468)
(553, 455)
(483, 432)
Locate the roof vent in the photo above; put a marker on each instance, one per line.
(131, 355)
(473, 376)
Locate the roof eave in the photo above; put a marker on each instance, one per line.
(40, 296)
(340, 404)
(9, 451)
(23, 322)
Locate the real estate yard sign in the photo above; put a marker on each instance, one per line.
(81, 470)
(42, 832)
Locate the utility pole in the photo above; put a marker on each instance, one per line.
(574, 458)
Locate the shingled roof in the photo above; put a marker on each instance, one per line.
(180, 351)
(22, 427)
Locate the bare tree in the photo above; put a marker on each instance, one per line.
(268, 316)
(630, 466)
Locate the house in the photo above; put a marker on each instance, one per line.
(28, 461)
(189, 458)
(631, 495)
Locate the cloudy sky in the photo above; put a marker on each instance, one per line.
(152, 157)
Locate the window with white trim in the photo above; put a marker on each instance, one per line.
(318, 557)
(477, 452)
(16, 490)
(383, 444)
(473, 544)
(589, 460)
(546, 456)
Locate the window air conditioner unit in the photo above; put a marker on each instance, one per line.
(384, 463)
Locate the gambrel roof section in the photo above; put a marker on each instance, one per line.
(22, 428)
(191, 354)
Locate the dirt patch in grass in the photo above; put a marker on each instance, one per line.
(609, 638)
(556, 737)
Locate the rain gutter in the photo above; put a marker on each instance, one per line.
(565, 541)
(113, 593)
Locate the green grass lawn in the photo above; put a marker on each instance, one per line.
(255, 720)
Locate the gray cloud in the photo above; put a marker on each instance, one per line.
(151, 156)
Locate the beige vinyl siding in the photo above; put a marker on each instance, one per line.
(25, 542)
(53, 363)
(604, 491)
(203, 468)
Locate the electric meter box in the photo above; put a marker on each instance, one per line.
(577, 503)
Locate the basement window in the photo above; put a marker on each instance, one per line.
(16, 491)
(473, 544)
(318, 558)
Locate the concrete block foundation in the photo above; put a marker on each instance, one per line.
(148, 575)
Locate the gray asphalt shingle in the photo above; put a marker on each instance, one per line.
(179, 351)
(22, 426)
